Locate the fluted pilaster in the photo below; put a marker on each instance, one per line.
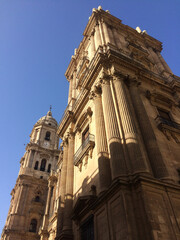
(106, 34)
(113, 136)
(92, 49)
(62, 188)
(154, 154)
(137, 160)
(70, 90)
(67, 222)
(97, 38)
(101, 143)
(45, 218)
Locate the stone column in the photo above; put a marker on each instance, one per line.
(137, 160)
(28, 158)
(92, 49)
(45, 218)
(106, 33)
(154, 154)
(74, 86)
(70, 91)
(62, 188)
(117, 159)
(67, 221)
(31, 159)
(97, 37)
(101, 143)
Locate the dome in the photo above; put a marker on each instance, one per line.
(48, 119)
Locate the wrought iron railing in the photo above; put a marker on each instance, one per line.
(160, 120)
(82, 150)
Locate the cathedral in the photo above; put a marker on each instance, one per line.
(116, 174)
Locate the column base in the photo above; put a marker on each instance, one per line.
(66, 235)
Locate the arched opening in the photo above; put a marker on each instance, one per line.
(33, 225)
(49, 168)
(47, 137)
(36, 165)
(37, 199)
(43, 165)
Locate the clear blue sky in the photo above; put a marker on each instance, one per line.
(37, 39)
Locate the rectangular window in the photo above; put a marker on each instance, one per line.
(87, 229)
(85, 134)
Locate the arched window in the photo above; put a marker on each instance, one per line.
(43, 165)
(37, 199)
(33, 225)
(47, 137)
(49, 168)
(36, 165)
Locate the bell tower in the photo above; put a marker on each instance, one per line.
(30, 192)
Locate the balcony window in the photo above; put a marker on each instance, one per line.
(166, 124)
(88, 144)
(85, 135)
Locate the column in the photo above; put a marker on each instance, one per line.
(101, 143)
(92, 49)
(62, 188)
(67, 221)
(70, 91)
(74, 86)
(154, 154)
(137, 160)
(32, 157)
(106, 34)
(45, 218)
(117, 159)
(27, 158)
(97, 37)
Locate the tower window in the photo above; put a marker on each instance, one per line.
(49, 168)
(43, 165)
(33, 225)
(36, 165)
(37, 199)
(47, 137)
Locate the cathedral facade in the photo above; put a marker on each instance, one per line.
(116, 174)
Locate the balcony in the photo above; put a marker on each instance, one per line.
(167, 124)
(83, 150)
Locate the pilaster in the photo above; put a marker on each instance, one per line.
(137, 160)
(118, 167)
(101, 142)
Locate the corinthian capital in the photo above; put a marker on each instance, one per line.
(96, 92)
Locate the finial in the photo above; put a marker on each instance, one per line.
(138, 29)
(49, 113)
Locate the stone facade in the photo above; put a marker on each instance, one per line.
(29, 196)
(118, 172)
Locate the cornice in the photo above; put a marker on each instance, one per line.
(124, 64)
